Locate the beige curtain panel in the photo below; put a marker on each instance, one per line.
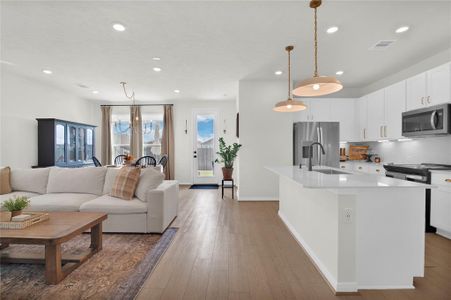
(136, 138)
(106, 149)
(167, 142)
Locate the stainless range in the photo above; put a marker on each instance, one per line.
(417, 173)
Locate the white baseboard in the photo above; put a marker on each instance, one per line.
(338, 287)
(386, 287)
(444, 233)
(257, 199)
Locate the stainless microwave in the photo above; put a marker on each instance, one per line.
(433, 120)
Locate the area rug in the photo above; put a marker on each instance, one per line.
(204, 187)
(116, 272)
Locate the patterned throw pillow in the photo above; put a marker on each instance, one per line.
(5, 180)
(125, 183)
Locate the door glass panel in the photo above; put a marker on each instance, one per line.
(89, 144)
(60, 138)
(205, 145)
(81, 151)
(71, 141)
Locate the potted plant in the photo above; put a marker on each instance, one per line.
(16, 205)
(227, 155)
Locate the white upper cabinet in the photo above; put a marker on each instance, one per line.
(429, 88)
(376, 115)
(343, 111)
(416, 91)
(395, 105)
(439, 85)
(362, 118)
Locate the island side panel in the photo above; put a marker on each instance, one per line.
(311, 215)
(390, 237)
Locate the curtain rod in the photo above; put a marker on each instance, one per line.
(170, 104)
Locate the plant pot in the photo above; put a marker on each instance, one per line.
(227, 173)
(16, 213)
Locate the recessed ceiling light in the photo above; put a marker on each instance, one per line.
(332, 29)
(177, 91)
(95, 92)
(339, 73)
(118, 27)
(46, 71)
(156, 58)
(156, 69)
(278, 73)
(402, 29)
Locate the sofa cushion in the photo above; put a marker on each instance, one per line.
(125, 183)
(30, 180)
(150, 179)
(59, 202)
(5, 180)
(111, 176)
(76, 180)
(112, 205)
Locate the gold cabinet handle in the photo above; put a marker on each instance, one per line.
(377, 170)
(422, 100)
(428, 99)
(448, 180)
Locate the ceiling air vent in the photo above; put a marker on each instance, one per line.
(382, 45)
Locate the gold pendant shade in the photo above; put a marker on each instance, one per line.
(317, 85)
(289, 105)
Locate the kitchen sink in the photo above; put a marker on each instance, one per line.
(331, 172)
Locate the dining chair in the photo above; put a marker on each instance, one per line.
(96, 162)
(146, 161)
(119, 160)
(163, 161)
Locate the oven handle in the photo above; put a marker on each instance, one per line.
(434, 119)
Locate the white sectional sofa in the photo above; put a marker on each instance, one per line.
(152, 209)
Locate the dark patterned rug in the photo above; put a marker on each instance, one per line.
(116, 272)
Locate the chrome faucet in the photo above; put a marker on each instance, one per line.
(310, 154)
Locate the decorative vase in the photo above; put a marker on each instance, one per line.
(16, 213)
(227, 173)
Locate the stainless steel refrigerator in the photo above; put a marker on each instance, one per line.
(326, 133)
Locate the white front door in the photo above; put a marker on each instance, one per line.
(204, 147)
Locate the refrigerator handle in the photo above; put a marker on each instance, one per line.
(320, 153)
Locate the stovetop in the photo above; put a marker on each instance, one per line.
(423, 168)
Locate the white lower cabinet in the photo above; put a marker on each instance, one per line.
(441, 203)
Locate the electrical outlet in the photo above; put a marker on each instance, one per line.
(348, 215)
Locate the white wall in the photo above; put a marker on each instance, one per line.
(183, 111)
(22, 101)
(266, 137)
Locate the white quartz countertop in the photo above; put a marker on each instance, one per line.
(316, 180)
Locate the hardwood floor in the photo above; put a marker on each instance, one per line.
(230, 250)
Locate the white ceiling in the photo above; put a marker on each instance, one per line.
(207, 47)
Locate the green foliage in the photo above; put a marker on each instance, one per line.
(17, 203)
(227, 154)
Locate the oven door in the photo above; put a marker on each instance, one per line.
(426, 121)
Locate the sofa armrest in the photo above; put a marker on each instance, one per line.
(162, 205)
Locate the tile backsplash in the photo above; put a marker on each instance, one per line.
(419, 150)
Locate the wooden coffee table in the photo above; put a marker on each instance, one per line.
(60, 228)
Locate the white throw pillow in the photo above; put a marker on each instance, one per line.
(30, 180)
(77, 180)
(150, 179)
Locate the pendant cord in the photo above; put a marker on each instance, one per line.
(289, 74)
(132, 97)
(316, 44)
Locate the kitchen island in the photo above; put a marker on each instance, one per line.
(362, 231)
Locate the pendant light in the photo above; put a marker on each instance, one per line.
(289, 105)
(317, 85)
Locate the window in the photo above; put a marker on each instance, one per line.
(152, 130)
(152, 122)
(120, 130)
